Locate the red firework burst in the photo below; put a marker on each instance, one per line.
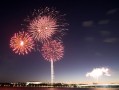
(21, 43)
(42, 28)
(45, 24)
(53, 50)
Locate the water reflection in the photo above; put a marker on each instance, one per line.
(29, 88)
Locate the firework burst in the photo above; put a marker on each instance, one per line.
(42, 28)
(46, 24)
(21, 43)
(53, 50)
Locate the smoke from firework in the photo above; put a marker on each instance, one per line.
(97, 72)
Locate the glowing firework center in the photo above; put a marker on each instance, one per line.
(21, 43)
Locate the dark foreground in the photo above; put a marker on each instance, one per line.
(37, 88)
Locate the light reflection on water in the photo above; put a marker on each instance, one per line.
(105, 89)
(59, 88)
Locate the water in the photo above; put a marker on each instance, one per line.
(28, 88)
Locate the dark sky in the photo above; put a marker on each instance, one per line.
(92, 41)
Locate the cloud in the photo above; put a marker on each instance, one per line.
(110, 40)
(112, 11)
(103, 22)
(97, 72)
(98, 54)
(89, 39)
(105, 33)
(87, 23)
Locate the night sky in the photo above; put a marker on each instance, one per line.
(92, 41)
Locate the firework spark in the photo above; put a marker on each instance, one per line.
(53, 50)
(42, 28)
(21, 43)
(45, 24)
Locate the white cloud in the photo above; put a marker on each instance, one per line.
(98, 54)
(112, 11)
(97, 72)
(105, 33)
(103, 22)
(110, 40)
(89, 39)
(87, 23)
